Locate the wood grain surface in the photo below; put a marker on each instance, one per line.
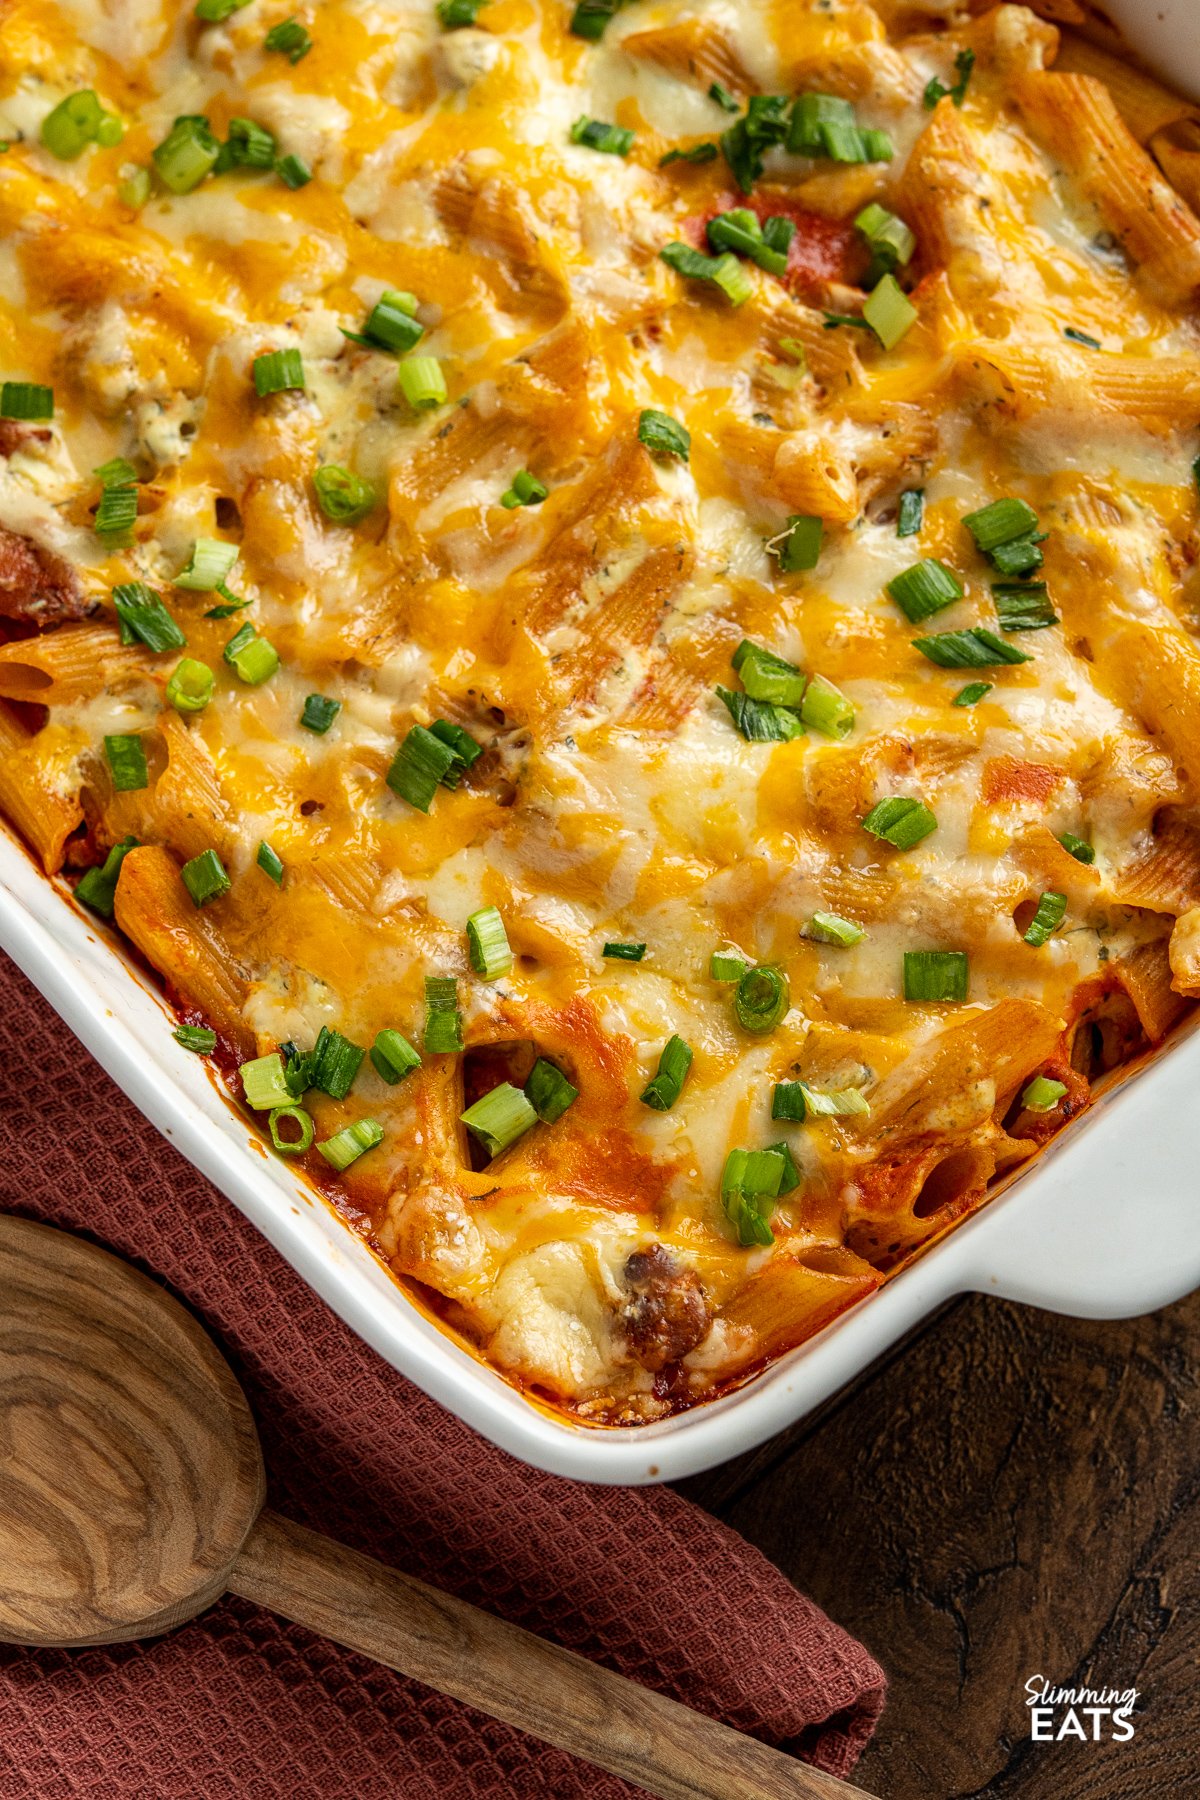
(1008, 1494)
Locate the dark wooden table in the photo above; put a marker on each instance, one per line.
(1008, 1494)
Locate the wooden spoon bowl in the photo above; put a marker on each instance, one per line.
(131, 1496)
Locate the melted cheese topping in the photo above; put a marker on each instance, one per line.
(581, 641)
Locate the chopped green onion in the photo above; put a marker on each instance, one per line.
(335, 1063)
(422, 383)
(973, 692)
(215, 12)
(1077, 847)
(833, 1103)
(249, 145)
(799, 546)
(116, 515)
(826, 709)
(209, 563)
(144, 619)
(393, 1057)
(740, 231)
(834, 319)
(465, 750)
(525, 490)
(750, 1182)
(487, 944)
(548, 1091)
(911, 512)
(699, 153)
(263, 1083)
(443, 1021)
(293, 172)
(974, 648)
(127, 762)
(1051, 909)
(662, 434)
(1019, 557)
(787, 1102)
(1042, 1094)
(200, 1039)
(936, 975)
(205, 878)
(726, 965)
(343, 497)
(810, 112)
(724, 271)
(723, 98)
(1082, 337)
(289, 37)
(78, 121)
(594, 134)
(924, 589)
(187, 154)
(499, 1118)
(390, 324)
(795, 352)
(1000, 522)
(269, 862)
(889, 312)
(351, 1142)
(900, 821)
(745, 143)
(843, 143)
(936, 90)
(454, 14)
(97, 887)
(761, 998)
(1023, 605)
(277, 372)
(624, 952)
(26, 400)
(291, 1115)
(117, 472)
(254, 659)
(591, 16)
(766, 676)
(891, 240)
(419, 765)
(133, 189)
(758, 721)
(232, 604)
(664, 1088)
(318, 713)
(830, 928)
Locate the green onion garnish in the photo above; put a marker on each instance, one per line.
(269, 862)
(1042, 1094)
(830, 928)
(798, 547)
(347, 1145)
(133, 190)
(393, 1057)
(291, 1116)
(548, 1091)
(699, 153)
(664, 1088)
(422, 383)
(290, 38)
(810, 112)
(889, 312)
(663, 435)
(487, 944)
(144, 619)
(974, 648)
(1020, 557)
(318, 713)
(263, 1083)
(936, 90)
(127, 762)
(834, 1103)
(187, 154)
(443, 1021)
(254, 659)
(766, 676)
(758, 721)
(390, 324)
(900, 821)
(1000, 522)
(594, 134)
(343, 497)
(723, 98)
(974, 691)
(1077, 847)
(761, 998)
(727, 965)
(249, 145)
(335, 1063)
(892, 242)
(78, 121)
(826, 709)
(1023, 605)
(26, 400)
(750, 1183)
(205, 878)
(277, 372)
(215, 12)
(745, 143)
(293, 172)
(499, 1118)
(1082, 337)
(911, 512)
(740, 231)
(1051, 909)
(209, 563)
(924, 589)
(118, 508)
(787, 1102)
(200, 1039)
(936, 975)
(724, 271)
(465, 750)
(624, 952)
(117, 472)
(591, 16)
(419, 765)
(97, 887)
(231, 603)
(524, 490)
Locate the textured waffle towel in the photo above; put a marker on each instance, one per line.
(241, 1705)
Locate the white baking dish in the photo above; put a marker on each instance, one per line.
(1105, 1224)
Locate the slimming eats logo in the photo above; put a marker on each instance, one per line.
(1091, 1714)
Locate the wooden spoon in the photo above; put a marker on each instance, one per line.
(131, 1497)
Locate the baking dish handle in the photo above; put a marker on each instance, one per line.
(1107, 1225)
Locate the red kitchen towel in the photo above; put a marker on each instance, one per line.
(240, 1705)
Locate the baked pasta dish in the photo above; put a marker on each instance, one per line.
(608, 594)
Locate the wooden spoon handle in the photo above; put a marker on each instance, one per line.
(486, 1662)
